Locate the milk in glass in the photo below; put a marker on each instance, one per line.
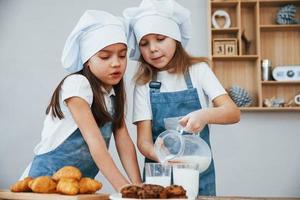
(189, 179)
(202, 162)
(159, 180)
(158, 173)
(186, 172)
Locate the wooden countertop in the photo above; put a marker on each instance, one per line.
(6, 194)
(245, 198)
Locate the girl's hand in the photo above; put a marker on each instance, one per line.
(144, 139)
(195, 121)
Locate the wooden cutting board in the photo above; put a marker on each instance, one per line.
(6, 194)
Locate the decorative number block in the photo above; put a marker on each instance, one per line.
(219, 49)
(224, 47)
(230, 49)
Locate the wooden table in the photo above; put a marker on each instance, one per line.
(246, 198)
(6, 194)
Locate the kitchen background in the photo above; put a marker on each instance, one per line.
(260, 156)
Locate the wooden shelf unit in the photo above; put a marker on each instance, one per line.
(279, 43)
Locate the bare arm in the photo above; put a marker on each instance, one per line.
(224, 112)
(84, 118)
(144, 139)
(127, 154)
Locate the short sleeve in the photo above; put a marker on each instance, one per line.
(77, 86)
(210, 84)
(141, 103)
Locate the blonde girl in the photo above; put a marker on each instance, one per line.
(170, 83)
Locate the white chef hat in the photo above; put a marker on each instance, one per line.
(164, 17)
(94, 31)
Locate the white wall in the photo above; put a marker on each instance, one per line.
(260, 156)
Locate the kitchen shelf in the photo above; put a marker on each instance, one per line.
(280, 82)
(291, 27)
(222, 4)
(273, 109)
(244, 57)
(225, 30)
(258, 37)
(277, 3)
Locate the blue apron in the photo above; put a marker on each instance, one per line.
(73, 151)
(175, 104)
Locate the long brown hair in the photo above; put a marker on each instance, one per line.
(98, 107)
(180, 63)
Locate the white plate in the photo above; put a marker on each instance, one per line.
(118, 196)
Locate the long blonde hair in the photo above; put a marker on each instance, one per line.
(180, 63)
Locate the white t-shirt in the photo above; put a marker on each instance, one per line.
(56, 130)
(202, 77)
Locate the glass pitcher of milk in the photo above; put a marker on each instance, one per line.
(189, 154)
(176, 146)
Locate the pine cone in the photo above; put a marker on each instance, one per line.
(286, 15)
(240, 96)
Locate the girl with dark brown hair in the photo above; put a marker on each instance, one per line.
(88, 105)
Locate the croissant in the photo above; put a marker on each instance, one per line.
(68, 186)
(67, 172)
(42, 184)
(88, 185)
(21, 186)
